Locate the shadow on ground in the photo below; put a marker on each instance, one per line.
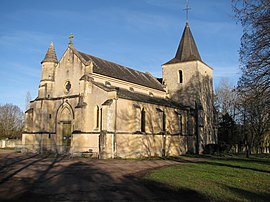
(46, 178)
(224, 162)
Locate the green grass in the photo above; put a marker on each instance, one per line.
(8, 148)
(222, 179)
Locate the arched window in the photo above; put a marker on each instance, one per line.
(107, 83)
(161, 118)
(180, 76)
(163, 122)
(101, 119)
(143, 120)
(97, 116)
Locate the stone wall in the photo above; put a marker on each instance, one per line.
(149, 145)
(9, 143)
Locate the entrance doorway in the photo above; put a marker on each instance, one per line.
(64, 129)
(66, 137)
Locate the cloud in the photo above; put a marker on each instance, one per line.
(18, 70)
(230, 72)
(16, 80)
(146, 21)
(226, 71)
(171, 4)
(26, 41)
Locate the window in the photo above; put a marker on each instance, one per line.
(101, 119)
(161, 118)
(180, 76)
(97, 116)
(142, 120)
(163, 122)
(67, 86)
(107, 83)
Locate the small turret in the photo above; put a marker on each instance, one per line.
(48, 64)
(50, 55)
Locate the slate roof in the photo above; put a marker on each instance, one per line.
(117, 71)
(140, 97)
(187, 49)
(50, 55)
(135, 96)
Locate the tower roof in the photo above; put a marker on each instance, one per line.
(187, 49)
(50, 55)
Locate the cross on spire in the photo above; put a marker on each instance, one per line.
(186, 9)
(70, 38)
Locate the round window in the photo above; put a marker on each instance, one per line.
(68, 86)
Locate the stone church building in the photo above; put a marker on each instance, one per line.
(86, 104)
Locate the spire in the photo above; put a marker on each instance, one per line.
(50, 55)
(187, 49)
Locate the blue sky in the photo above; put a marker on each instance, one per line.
(141, 34)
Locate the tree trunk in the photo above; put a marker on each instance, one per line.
(247, 151)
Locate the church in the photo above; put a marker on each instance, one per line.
(88, 105)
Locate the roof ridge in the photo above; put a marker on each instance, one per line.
(114, 70)
(139, 96)
(78, 53)
(113, 62)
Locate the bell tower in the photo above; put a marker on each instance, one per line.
(189, 81)
(182, 74)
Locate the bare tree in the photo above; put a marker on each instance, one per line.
(224, 98)
(254, 16)
(255, 116)
(11, 121)
(254, 84)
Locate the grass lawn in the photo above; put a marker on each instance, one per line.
(8, 148)
(222, 179)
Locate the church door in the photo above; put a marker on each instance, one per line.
(64, 128)
(66, 135)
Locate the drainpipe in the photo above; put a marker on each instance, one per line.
(114, 153)
(164, 133)
(197, 128)
(41, 135)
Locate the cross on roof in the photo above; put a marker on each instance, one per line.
(70, 38)
(186, 9)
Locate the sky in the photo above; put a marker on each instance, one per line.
(141, 34)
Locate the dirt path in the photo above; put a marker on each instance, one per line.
(47, 178)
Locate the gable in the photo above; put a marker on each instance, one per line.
(68, 71)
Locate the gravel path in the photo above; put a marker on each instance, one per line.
(34, 177)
